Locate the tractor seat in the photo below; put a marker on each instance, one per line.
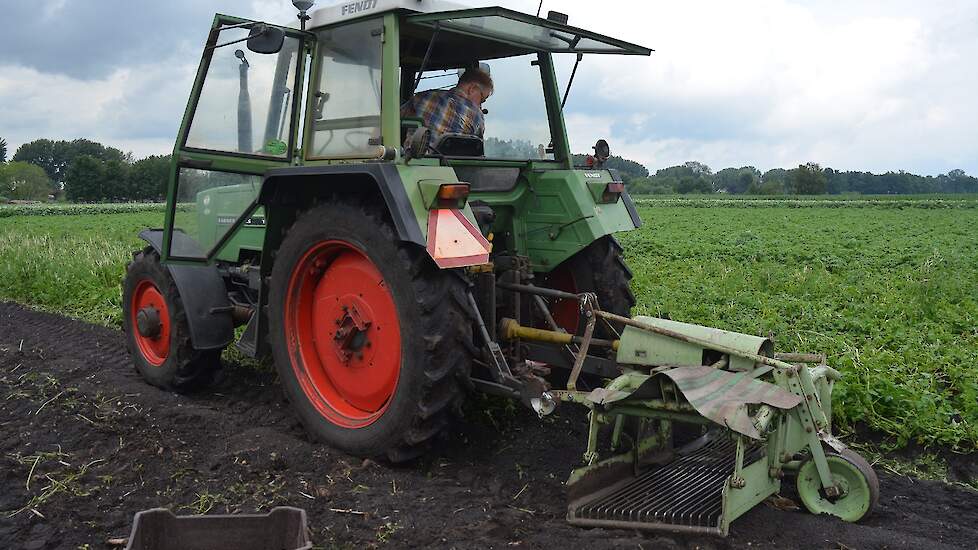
(460, 145)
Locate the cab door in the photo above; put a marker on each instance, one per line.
(241, 120)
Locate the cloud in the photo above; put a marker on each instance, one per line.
(91, 40)
(136, 109)
(118, 72)
(877, 85)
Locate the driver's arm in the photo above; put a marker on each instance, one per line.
(471, 121)
(480, 124)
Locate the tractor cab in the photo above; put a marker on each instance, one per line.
(269, 97)
(433, 48)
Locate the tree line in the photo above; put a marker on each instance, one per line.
(806, 179)
(81, 170)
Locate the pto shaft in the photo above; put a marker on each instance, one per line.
(511, 330)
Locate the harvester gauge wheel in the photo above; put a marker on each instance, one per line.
(157, 330)
(854, 478)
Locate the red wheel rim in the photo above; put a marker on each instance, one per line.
(154, 349)
(343, 334)
(566, 313)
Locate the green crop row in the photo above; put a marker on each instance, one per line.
(889, 297)
(67, 209)
(71, 264)
(821, 198)
(711, 202)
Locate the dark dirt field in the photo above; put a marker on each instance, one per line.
(84, 444)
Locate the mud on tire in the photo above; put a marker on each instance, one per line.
(173, 364)
(435, 335)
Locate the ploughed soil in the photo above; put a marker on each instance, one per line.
(84, 444)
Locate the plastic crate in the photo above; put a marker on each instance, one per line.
(283, 528)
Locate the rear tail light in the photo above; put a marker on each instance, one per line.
(452, 195)
(612, 191)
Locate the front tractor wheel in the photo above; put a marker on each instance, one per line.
(369, 339)
(157, 331)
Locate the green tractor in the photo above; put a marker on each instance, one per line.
(389, 275)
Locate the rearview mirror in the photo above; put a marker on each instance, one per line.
(265, 39)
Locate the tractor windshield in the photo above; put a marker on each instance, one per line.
(245, 103)
(240, 122)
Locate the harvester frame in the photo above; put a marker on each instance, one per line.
(388, 274)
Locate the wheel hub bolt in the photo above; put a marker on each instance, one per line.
(148, 322)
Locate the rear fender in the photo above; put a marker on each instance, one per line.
(285, 191)
(449, 235)
(202, 292)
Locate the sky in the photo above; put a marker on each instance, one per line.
(858, 85)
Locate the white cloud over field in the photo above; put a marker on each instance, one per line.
(871, 85)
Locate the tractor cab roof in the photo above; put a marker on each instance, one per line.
(476, 33)
(342, 11)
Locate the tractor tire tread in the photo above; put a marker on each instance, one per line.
(447, 336)
(610, 279)
(195, 369)
(613, 284)
(447, 341)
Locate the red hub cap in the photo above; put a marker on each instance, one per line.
(566, 313)
(343, 334)
(150, 322)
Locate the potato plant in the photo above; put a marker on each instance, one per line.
(887, 290)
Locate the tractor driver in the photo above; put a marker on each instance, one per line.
(454, 111)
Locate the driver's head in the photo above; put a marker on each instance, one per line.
(475, 85)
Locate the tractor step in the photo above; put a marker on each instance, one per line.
(685, 495)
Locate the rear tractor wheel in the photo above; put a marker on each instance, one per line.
(157, 332)
(369, 339)
(598, 268)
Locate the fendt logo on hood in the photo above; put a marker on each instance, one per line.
(357, 7)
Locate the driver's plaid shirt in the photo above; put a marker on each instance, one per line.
(445, 112)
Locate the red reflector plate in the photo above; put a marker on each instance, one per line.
(453, 241)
